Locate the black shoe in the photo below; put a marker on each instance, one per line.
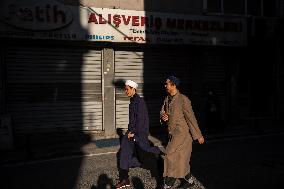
(185, 185)
(169, 182)
(166, 187)
(122, 184)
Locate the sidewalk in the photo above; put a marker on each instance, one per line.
(222, 163)
(66, 147)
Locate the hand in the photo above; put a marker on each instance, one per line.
(130, 135)
(165, 117)
(201, 140)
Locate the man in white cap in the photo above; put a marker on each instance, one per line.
(135, 149)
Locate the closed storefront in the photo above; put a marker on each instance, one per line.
(53, 88)
(213, 77)
(150, 67)
(2, 80)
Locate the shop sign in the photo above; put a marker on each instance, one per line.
(161, 28)
(49, 19)
(35, 15)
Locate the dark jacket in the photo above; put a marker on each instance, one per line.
(139, 125)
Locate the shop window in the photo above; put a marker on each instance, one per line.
(214, 6)
(269, 8)
(234, 6)
(254, 7)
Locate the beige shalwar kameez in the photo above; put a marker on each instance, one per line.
(183, 128)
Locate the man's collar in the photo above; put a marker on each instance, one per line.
(174, 94)
(135, 95)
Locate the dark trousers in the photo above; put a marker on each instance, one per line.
(131, 155)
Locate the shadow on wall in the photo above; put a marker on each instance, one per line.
(45, 83)
(166, 58)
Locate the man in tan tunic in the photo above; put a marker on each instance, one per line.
(183, 129)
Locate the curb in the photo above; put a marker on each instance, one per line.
(104, 146)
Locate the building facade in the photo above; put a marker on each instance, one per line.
(62, 62)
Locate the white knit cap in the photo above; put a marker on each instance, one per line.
(131, 84)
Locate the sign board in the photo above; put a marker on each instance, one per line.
(51, 20)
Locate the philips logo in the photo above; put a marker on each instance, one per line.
(100, 37)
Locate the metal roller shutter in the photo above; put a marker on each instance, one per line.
(213, 76)
(51, 89)
(149, 68)
(128, 65)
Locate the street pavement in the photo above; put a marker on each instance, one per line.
(239, 162)
(97, 170)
